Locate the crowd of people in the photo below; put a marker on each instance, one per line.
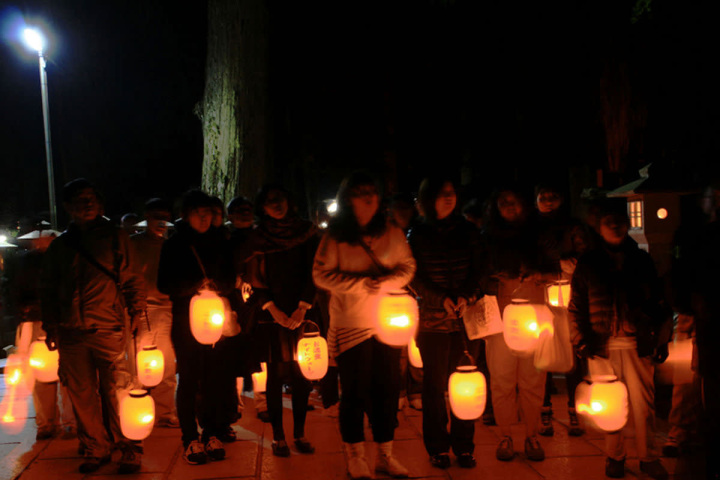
(99, 295)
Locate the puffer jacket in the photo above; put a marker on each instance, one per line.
(76, 295)
(448, 260)
(616, 292)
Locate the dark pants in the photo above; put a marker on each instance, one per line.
(572, 380)
(329, 388)
(711, 422)
(204, 388)
(441, 353)
(279, 373)
(369, 377)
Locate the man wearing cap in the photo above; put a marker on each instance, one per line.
(87, 284)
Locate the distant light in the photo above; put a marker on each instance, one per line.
(33, 39)
(662, 213)
(3, 238)
(323, 225)
(332, 207)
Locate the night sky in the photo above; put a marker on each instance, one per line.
(504, 91)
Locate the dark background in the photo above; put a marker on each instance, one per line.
(493, 91)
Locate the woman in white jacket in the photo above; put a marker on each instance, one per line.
(360, 258)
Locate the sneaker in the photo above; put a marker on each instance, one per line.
(168, 422)
(546, 427)
(92, 464)
(402, 403)
(130, 461)
(385, 462)
(358, 468)
(654, 470)
(466, 460)
(671, 448)
(303, 445)
(228, 436)
(195, 453)
(614, 468)
(416, 403)
(215, 449)
(575, 429)
(505, 451)
(441, 460)
(280, 448)
(533, 449)
(264, 416)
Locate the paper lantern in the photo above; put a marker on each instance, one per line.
(312, 355)
(208, 312)
(414, 354)
(558, 294)
(137, 414)
(523, 323)
(259, 379)
(603, 401)
(467, 392)
(397, 319)
(43, 362)
(150, 366)
(677, 368)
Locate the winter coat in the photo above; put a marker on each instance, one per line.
(76, 295)
(146, 249)
(342, 269)
(616, 292)
(449, 262)
(180, 275)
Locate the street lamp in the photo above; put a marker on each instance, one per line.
(35, 41)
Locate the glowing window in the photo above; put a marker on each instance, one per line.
(636, 214)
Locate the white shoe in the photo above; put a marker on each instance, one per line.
(386, 463)
(358, 468)
(416, 403)
(402, 403)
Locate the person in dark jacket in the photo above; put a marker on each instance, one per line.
(87, 283)
(197, 256)
(619, 320)
(280, 272)
(447, 251)
(511, 272)
(561, 240)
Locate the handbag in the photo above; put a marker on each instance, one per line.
(555, 351)
(482, 318)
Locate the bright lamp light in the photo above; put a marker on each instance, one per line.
(33, 39)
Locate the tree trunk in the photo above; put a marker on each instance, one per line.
(234, 110)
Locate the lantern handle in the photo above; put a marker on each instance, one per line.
(469, 357)
(309, 322)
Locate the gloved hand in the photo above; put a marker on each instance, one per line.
(661, 353)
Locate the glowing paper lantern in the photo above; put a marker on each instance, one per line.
(397, 319)
(259, 379)
(414, 354)
(150, 366)
(558, 294)
(603, 401)
(208, 312)
(677, 369)
(312, 355)
(137, 415)
(43, 362)
(467, 392)
(523, 323)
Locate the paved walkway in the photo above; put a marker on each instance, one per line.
(251, 457)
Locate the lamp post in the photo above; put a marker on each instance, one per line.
(34, 40)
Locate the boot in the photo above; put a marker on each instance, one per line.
(386, 463)
(357, 465)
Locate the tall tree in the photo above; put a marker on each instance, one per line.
(234, 112)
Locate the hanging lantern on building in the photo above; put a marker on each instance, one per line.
(603, 401)
(208, 312)
(137, 414)
(259, 379)
(523, 323)
(467, 391)
(414, 354)
(558, 293)
(397, 319)
(150, 366)
(312, 354)
(43, 362)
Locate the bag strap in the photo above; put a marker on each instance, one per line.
(383, 269)
(75, 245)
